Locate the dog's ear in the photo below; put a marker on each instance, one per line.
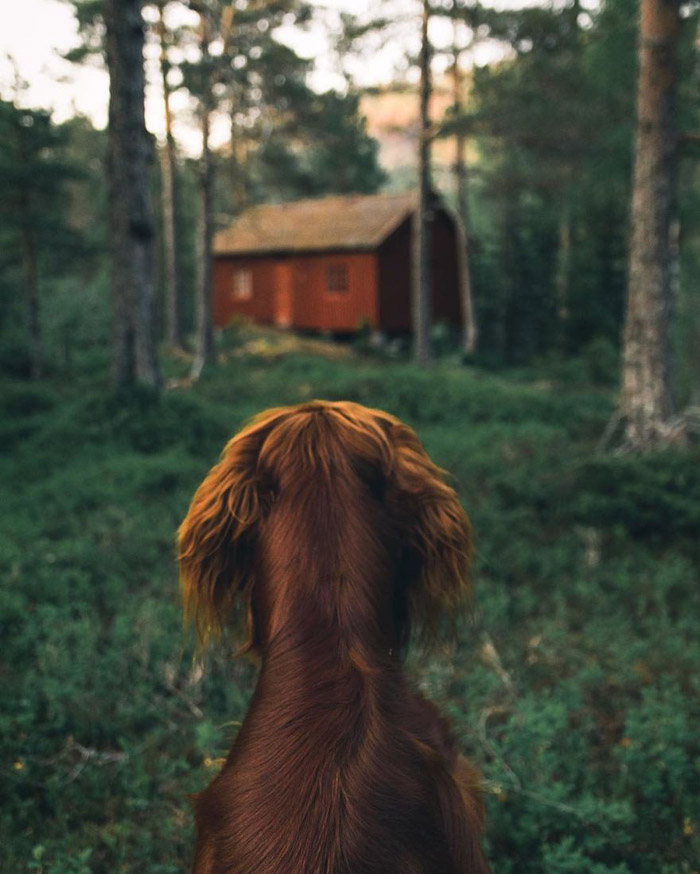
(216, 540)
(435, 532)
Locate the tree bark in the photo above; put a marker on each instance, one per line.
(204, 323)
(169, 201)
(563, 273)
(463, 224)
(131, 212)
(421, 274)
(646, 402)
(31, 279)
(238, 165)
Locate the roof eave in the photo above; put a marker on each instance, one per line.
(285, 253)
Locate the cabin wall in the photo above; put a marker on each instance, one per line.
(395, 271)
(292, 291)
(447, 305)
(317, 307)
(228, 300)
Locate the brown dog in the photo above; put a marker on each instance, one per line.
(327, 529)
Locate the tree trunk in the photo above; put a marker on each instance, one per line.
(169, 202)
(36, 346)
(204, 323)
(463, 224)
(421, 274)
(646, 403)
(563, 274)
(238, 166)
(131, 213)
(506, 294)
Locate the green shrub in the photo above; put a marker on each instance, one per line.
(584, 722)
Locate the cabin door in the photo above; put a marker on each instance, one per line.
(283, 294)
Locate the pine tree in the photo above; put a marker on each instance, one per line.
(646, 402)
(115, 30)
(469, 332)
(168, 154)
(132, 221)
(205, 352)
(553, 124)
(34, 173)
(421, 273)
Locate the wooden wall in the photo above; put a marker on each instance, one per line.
(447, 305)
(261, 305)
(318, 308)
(394, 268)
(292, 291)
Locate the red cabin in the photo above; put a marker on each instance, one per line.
(332, 264)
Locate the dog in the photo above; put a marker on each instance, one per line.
(328, 537)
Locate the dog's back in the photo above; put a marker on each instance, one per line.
(342, 793)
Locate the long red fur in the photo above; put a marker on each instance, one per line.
(328, 533)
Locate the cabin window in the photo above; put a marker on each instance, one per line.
(242, 285)
(337, 278)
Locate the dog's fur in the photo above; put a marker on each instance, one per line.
(330, 533)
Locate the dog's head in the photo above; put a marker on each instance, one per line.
(336, 491)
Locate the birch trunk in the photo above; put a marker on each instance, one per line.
(131, 213)
(31, 280)
(420, 274)
(463, 223)
(169, 202)
(204, 323)
(563, 274)
(646, 404)
(239, 167)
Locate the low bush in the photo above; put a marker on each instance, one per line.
(573, 685)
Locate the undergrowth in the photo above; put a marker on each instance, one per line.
(574, 685)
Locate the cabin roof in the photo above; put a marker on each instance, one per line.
(324, 224)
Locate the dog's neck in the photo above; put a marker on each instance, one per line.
(315, 684)
(325, 581)
(314, 633)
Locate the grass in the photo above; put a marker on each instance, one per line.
(574, 684)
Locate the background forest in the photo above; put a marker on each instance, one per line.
(574, 684)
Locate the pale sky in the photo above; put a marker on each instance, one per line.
(35, 32)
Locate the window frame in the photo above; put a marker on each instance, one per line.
(242, 284)
(337, 278)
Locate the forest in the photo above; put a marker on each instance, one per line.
(565, 137)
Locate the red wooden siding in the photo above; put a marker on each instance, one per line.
(294, 290)
(260, 307)
(284, 294)
(317, 307)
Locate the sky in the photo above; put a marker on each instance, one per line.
(33, 33)
(36, 32)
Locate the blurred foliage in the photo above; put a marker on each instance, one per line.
(553, 122)
(287, 140)
(39, 242)
(53, 215)
(574, 685)
(327, 150)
